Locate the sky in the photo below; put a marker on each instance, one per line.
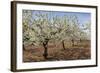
(82, 17)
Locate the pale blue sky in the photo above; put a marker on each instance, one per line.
(82, 17)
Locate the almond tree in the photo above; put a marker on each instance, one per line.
(26, 20)
(62, 29)
(43, 30)
(85, 33)
(74, 29)
(67, 28)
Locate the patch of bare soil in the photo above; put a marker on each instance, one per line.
(68, 54)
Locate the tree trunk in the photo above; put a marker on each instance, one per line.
(45, 45)
(80, 40)
(72, 42)
(63, 45)
(45, 52)
(24, 47)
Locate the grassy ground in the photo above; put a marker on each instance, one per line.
(56, 53)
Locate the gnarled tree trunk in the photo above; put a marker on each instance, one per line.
(45, 45)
